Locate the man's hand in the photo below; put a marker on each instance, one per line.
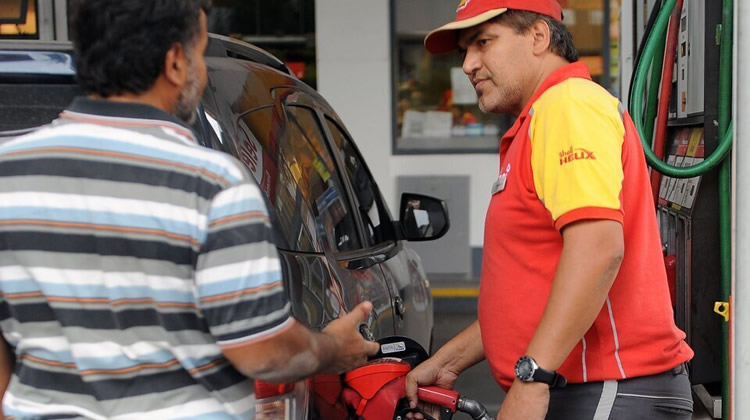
(351, 348)
(430, 372)
(442, 369)
(525, 401)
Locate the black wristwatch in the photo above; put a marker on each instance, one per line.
(528, 371)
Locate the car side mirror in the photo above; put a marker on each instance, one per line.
(423, 218)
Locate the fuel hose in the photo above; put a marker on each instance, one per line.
(636, 109)
(653, 48)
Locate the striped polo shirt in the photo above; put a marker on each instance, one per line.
(129, 257)
(572, 155)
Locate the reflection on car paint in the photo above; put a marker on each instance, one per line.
(215, 126)
(258, 129)
(251, 152)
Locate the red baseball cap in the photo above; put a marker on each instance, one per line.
(474, 12)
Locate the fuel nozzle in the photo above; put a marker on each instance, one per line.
(473, 408)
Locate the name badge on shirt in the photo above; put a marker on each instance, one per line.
(499, 184)
(502, 179)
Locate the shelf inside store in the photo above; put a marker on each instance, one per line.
(686, 121)
(448, 145)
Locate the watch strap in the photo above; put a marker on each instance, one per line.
(551, 378)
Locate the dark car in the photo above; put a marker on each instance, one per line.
(338, 241)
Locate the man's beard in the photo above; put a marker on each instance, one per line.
(507, 101)
(190, 96)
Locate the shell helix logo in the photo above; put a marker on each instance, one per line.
(574, 154)
(462, 5)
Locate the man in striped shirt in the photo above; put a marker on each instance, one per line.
(138, 276)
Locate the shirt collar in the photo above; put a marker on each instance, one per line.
(105, 108)
(568, 71)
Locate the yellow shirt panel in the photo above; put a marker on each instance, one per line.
(576, 135)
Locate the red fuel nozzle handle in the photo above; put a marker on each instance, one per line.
(442, 397)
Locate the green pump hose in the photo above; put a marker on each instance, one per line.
(636, 110)
(654, 43)
(656, 66)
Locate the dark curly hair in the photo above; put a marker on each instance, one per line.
(120, 45)
(561, 40)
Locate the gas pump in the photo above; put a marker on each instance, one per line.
(687, 116)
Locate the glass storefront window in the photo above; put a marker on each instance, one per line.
(585, 20)
(436, 107)
(285, 28)
(18, 19)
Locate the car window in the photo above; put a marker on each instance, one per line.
(308, 159)
(371, 208)
(257, 140)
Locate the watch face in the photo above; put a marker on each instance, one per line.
(525, 369)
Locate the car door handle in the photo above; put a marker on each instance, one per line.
(366, 332)
(398, 306)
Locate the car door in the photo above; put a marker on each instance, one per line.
(355, 272)
(400, 266)
(239, 117)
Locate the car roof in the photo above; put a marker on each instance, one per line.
(222, 46)
(218, 46)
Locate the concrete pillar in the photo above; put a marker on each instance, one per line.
(353, 40)
(741, 279)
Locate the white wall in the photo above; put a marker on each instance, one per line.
(354, 74)
(740, 310)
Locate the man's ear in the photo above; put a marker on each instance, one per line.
(176, 65)
(542, 38)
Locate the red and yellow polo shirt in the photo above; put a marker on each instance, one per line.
(574, 154)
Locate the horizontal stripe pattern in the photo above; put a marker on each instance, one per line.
(117, 174)
(128, 256)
